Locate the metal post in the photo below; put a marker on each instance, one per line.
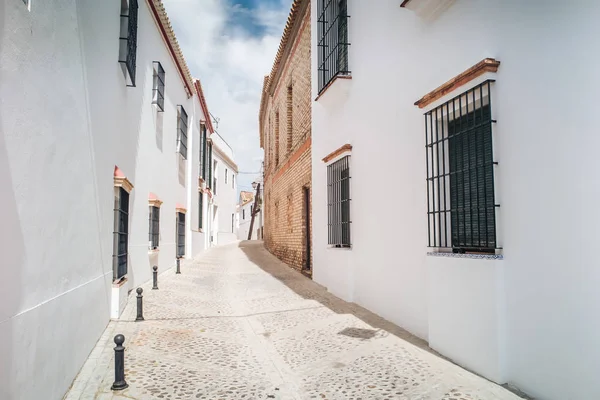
(178, 270)
(140, 312)
(155, 278)
(119, 383)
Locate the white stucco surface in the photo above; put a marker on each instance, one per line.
(527, 307)
(66, 120)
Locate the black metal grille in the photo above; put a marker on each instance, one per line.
(200, 201)
(158, 86)
(180, 234)
(209, 164)
(120, 234)
(129, 20)
(203, 157)
(461, 206)
(154, 220)
(332, 36)
(338, 202)
(182, 121)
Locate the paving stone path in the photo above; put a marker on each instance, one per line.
(239, 324)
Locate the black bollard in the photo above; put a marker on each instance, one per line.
(140, 311)
(119, 383)
(178, 270)
(155, 278)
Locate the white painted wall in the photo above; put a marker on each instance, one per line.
(528, 319)
(67, 119)
(244, 218)
(226, 196)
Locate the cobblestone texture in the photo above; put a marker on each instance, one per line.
(239, 324)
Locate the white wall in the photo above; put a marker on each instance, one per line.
(226, 197)
(533, 324)
(244, 218)
(67, 119)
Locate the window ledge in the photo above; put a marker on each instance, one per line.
(466, 255)
(335, 78)
(330, 247)
(153, 251)
(120, 282)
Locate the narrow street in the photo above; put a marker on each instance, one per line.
(239, 324)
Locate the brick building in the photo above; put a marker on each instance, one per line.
(285, 136)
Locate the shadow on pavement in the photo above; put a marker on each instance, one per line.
(306, 288)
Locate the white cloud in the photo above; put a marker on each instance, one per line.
(231, 64)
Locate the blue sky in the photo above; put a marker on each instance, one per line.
(230, 45)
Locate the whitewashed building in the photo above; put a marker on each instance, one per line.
(104, 146)
(244, 210)
(224, 200)
(455, 179)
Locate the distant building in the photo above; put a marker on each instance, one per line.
(245, 208)
(285, 136)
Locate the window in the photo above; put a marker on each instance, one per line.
(180, 234)
(203, 145)
(226, 175)
(332, 36)
(338, 202)
(182, 120)
(154, 218)
(214, 187)
(289, 119)
(120, 233)
(276, 138)
(200, 215)
(209, 165)
(461, 206)
(243, 213)
(233, 181)
(232, 222)
(158, 86)
(128, 39)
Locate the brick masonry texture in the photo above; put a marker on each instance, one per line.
(288, 153)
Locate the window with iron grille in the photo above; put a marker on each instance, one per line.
(338, 202)
(158, 86)
(128, 38)
(202, 156)
(120, 234)
(200, 204)
(180, 234)
(332, 40)
(209, 164)
(182, 121)
(461, 206)
(154, 219)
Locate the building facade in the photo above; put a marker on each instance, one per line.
(244, 217)
(224, 189)
(103, 136)
(285, 136)
(451, 171)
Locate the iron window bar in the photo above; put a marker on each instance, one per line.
(202, 156)
(200, 203)
(120, 234)
(332, 42)
(158, 86)
(180, 234)
(461, 206)
(154, 220)
(338, 203)
(129, 25)
(182, 128)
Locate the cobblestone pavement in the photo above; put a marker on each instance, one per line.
(239, 324)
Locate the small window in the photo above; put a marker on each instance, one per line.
(226, 171)
(182, 128)
(338, 202)
(154, 219)
(233, 181)
(243, 213)
(200, 205)
(158, 86)
(461, 207)
(332, 37)
(128, 39)
(180, 234)
(120, 234)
